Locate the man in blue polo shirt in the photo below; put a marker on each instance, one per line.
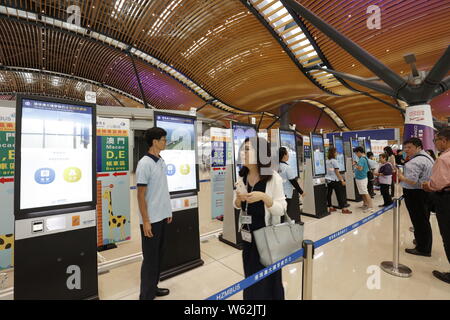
(361, 170)
(155, 211)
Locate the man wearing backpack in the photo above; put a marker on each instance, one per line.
(417, 171)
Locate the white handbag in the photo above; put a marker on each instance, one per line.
(276, 242)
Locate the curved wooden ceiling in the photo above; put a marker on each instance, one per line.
(219, 45)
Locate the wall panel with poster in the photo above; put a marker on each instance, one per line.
(7, 155)
(113, 182)
(318, 155)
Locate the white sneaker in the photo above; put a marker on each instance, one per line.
(368, 210)
(364, 207)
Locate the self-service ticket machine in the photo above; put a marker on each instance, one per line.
(315, 199)
(338, 143)
(55, 200)
(230, 234)
(287, 139)
(352, 189)
(182, 238)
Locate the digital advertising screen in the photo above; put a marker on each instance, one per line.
(288, 140)
(179, 154)
(354, 143)
(318, 153)
(241, 131)
(56, 162)
(338, 143)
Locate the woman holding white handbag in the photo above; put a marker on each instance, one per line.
(260, 197)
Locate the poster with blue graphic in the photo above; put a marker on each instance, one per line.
(56, 154)
(287, 140)
(179, 154)
(339, 145)
(318, 152)
(354, 142)
(7, 156)
(240, 133)
(220, 157)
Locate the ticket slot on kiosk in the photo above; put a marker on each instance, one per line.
(315, 200)
(55, 200)
(352, 189)
(182, 238)
(230, 234)
(289, 141)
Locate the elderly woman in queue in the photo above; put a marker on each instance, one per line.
(259, 195)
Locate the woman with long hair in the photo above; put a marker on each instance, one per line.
(391, 158)
(335, 182)
(260, 197)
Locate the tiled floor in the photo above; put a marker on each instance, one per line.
(346, 268)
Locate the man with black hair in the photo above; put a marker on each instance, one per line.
(155, 211)
(361, 170)
(417, 171)
(439, 185)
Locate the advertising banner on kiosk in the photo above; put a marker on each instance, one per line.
(7, 155)
(338, 143)
(180, 153)
(241, 131)
(419, 124)
(354, 142)
(318, 155)
(289, 141)
(221, 156)
(113, 181)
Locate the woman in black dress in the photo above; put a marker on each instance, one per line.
(260, 195)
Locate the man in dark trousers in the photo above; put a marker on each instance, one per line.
(155, 212)
(439, 185)
(417, 171)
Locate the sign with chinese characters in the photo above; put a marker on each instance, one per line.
(113, 181)
(419, 124)
(7, 156)
(221, 155)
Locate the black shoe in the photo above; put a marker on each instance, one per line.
(415, 242)
(417, 253)
(443, 276)
(160, 292)
(382, 206)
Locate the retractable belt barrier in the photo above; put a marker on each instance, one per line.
(254, 278)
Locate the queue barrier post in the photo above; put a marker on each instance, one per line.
(394, 267)
(307, 276)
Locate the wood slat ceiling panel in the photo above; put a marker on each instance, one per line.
(414, 26)
(74, 56)
(172, 30)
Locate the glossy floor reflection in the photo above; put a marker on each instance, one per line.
(345, 269)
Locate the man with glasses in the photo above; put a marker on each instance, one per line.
(155, 212)
(439, 185)
(417, 170)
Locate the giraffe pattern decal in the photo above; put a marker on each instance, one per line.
(114, 221)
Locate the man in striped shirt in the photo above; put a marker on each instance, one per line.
(439, 185)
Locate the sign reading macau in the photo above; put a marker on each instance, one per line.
(112, 139)
(7, 156)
